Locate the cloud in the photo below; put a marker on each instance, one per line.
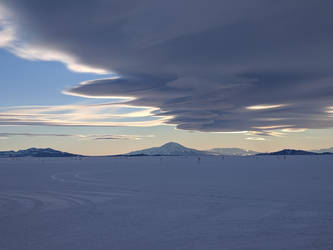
(6, 31)
(33, 51)
(274, 133)
(101, 114)
(294, 130)
(217, 66)
(259, 107)
(6, 135)
(6, 36)
(255, 139)
(329, 110)
(119, 137)
(81, 137)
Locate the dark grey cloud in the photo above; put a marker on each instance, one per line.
(201, 62)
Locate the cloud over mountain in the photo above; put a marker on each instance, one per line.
(227, 65)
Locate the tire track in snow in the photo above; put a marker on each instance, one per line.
(76, 178)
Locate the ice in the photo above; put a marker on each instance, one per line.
(245, 203)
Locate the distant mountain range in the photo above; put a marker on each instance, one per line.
(168, 149)
(36, 152)
(175, 149)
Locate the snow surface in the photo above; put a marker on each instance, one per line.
(171, 203)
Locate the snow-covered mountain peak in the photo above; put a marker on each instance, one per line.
(170, 148)
(173, 146)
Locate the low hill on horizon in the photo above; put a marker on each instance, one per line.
(36, 152)
(323, 150)
(294, 152)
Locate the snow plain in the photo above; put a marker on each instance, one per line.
(169, 203)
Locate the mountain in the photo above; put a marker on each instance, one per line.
(231, 151)
(324, 150)
(293, 152)
(168, 149)
(36, 152)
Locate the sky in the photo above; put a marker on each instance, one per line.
(107, 77)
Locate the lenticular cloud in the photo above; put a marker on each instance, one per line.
(202, 64)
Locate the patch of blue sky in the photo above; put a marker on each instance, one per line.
(25, 82)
